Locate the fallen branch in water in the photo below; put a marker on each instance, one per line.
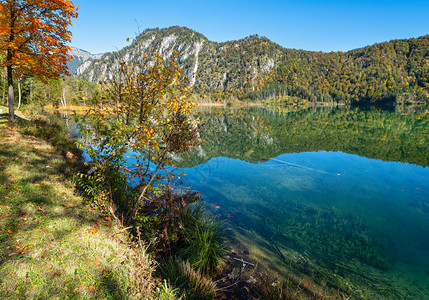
(243, 261)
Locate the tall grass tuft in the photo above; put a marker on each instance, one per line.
(204, 240)
(190, 283)
(167, 292)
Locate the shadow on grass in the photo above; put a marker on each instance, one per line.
(37, 199)
(112, 287)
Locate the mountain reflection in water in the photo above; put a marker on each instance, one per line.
(256, 135)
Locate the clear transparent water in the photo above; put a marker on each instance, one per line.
(338, 220)
(338, 198)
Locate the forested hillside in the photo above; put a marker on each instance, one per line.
(396, 71)
(256, 68)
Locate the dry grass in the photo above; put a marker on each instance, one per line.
(52, 245)
(78, 109)
(81, 109)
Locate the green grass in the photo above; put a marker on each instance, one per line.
(47, 250)
(205, 240)
(191, 284)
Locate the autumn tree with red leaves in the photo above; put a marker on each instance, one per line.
(33, 38)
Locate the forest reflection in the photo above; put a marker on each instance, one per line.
(259, 134)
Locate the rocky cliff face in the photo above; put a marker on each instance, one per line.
(210, 66)
(80, 57)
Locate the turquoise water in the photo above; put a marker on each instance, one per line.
(341, 221)
(336, 197)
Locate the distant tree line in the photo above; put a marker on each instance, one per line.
(396, 71)
(63, 91)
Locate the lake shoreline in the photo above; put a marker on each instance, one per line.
(50, 231)
(252, 278)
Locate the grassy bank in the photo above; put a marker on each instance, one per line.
(53, 245)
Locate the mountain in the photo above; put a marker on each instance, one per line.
(79, 57)
(210, 66)
(256, 68)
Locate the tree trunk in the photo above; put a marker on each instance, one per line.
(4, 88)
(19, 93)
(64, 97)
(10, 94)
(9, 57)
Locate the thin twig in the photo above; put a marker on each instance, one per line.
(243, 261)
(122, 230)
(225, 288)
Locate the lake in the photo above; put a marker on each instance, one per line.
(336, 197)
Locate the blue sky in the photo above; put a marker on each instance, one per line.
(310, 25)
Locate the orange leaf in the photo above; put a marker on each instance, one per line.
(39, 208)
(56, 274)
(92, 230)
(91, 288)
(43, 255)
(217, 207)
(306, 284)
(109, 224)
(43, 228)
(9, 231)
